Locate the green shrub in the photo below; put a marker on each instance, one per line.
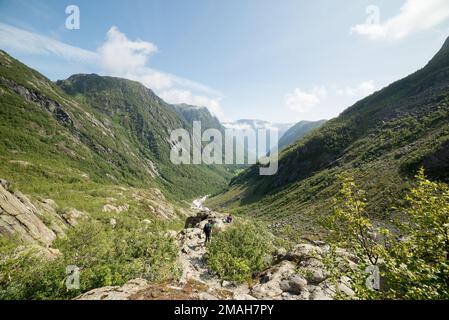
(105, 256)
(236, 253)
(418, 265)
(414, 263)
(26, 274)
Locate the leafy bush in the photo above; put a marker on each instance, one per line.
(418, 265)
(351, 225)
(236, 253)
(414, 263)
(105, 256)
(26, 274)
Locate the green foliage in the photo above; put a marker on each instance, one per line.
(113, 150)
(144, 122)
(236, 253)
(350, 224)
(412, 266)
(105, 256)
(118, 137)
(25, 273)
(418, 265)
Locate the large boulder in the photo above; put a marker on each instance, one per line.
(115, 292)
(328, 290)
(321, 293)
(73, 216)
(19, 217)
(294, 284)
(313, 270)
(269, 286)
(304, 251)
(268, 290)
(193, 221)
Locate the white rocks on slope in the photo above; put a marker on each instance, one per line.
(73, 216)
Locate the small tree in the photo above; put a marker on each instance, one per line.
(414, 266)
(350, 225)
(418, 264)
(351, 228)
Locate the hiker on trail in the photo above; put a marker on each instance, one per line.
(208, 230)
(228, 219)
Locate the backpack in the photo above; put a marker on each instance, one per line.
(207, 227)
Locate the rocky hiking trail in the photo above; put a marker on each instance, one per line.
(192, 257)
(298, 274)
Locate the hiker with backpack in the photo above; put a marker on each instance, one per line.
(208, 229)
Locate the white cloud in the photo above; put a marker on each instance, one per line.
(321, 99)
(120, 55)
(301, 101)
(153, 79)
(361, 90)
(250, 124)
(126, 58)
(177, 96)
(15, 39)
(414, 16)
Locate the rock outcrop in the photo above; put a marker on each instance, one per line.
(115, 292)
(116, 209)
(300, 274)
(73, 216)
(38, 222)
(19, 217)
(52, 106)
(192, 221)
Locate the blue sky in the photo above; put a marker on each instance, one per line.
(281, 61)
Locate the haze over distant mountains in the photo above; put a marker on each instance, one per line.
(288, 133)
(255, 124)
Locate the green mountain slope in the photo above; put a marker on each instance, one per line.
(89, 135)
(146, 120)
(382, 140)
(298, 131)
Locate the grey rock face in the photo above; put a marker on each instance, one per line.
(115, 292)
(73, 216)
(295, 284)
(19, 217)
